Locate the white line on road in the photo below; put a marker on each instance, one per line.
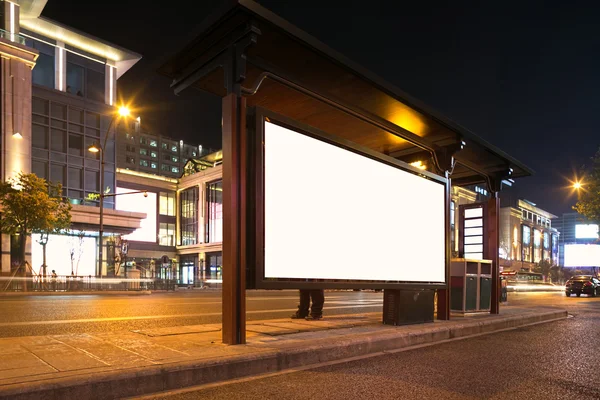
(87, 320)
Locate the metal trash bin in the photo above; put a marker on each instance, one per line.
(470, 285)
(408, 306)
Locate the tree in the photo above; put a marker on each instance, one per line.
(588, 203)
(544, 267)
(32, 205)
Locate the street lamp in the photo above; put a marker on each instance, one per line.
(96, 148)
(43, 241)
(577, 185)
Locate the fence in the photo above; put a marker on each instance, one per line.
(73, 283)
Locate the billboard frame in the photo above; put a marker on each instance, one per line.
(256, 179)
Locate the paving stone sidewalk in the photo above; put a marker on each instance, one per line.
(126, 363)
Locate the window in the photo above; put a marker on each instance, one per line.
(43, 72)
(194, 153)
(167, 157)
(166, 234)
(153, 154)
(40, 168)
(175, 170)
(57, 174)
(58, 140)
(153, 143)
(95, 85)
(130, 160)
(75, 76)
(92, 181)
(164, 146)
(143, 152)
(39, 136)
(143, 163)
(129, 136)
(75, 178)
(166, 204)
(189, 216)
(75, 145)
(174, 148)
(130, 148)
(174, 159)
(143, 140)
(214, 212)
(165, 167)
(153, 165)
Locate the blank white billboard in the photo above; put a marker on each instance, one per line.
(582, 255)
(586, 231)
(137, 202)
(334, 214)
(58, 254)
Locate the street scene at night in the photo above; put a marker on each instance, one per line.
(264, 199)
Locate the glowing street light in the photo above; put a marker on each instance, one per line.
(123, 112)
(577, 185)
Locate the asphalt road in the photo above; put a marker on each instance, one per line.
(44, 315)
(557, 360)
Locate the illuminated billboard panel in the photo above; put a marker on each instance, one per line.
(333, 214)
(586, 231)
(582, 255)
(137, 202)
(58, 254)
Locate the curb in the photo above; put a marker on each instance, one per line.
(78, 293)
(148, 380)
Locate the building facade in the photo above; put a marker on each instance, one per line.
(139, 149)
(59, 101)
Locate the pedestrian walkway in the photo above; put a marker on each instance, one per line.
(128, 363)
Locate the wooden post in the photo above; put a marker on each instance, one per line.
(234, 214)
(443, 295)
(493, 244)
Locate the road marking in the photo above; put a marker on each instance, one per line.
(86, 320)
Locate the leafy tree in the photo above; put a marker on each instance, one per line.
(588, 203)
(32, 205)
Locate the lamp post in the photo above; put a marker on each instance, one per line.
(95, 148)
(43, 241)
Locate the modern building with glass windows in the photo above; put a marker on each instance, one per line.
(59, 98)
(141, 150)
(574, 228)
(182, 234)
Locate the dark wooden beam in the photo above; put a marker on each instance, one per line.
(492, 246)
(235, 206)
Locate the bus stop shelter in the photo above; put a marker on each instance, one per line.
(253, 58)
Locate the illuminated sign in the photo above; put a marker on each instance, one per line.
(347, 216)
(586, 231)
(137, 202)
(58, 254)
(582, 255)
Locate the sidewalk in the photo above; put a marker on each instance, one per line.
(110, 365)
(82, 293)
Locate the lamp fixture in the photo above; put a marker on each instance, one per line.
(17, 135)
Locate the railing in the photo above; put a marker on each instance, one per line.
(13, 37)
(73, 283)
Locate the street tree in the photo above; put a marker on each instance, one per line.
(32, 205)
(588, 203)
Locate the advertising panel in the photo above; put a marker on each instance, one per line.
(582, 255)
(586, 231)
(137, 202)
(335, 214)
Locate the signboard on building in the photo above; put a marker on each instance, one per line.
(586, 231)
(337, 215)
(582, 255)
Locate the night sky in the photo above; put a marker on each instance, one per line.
(524, 76)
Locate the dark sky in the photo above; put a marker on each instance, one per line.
(524, 75)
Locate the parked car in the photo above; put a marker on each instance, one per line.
(583, 284)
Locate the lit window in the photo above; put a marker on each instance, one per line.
(166, 204)
(174, 148)
(143, 163)
(174, 159)
(164, 146)
(175, 170)
(130, 160)
(153, 154)
(143, 152)
(153, 143)
(193, 153)
(153, 165)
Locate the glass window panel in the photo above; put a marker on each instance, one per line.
(75, 145)
(75, 178)
(109, 182)
(39, 119)
(92, 181)
(473, 231)
(43, 72)
(76, 115)
(92, 132)
(58, 157)
(40, 106)
(38, 153)
(109, 157)
(474, 240)
(58, 140)
(189, 216)
(59, 124)
(76, 161)
(471, 223)
(75, 76)
(39, 136)
(75, 194)
(40, 168)
(214, 204)
(92, 119)
(59, 111)
(75, 128)
(95, 85)
(57, 173)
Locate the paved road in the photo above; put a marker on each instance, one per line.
(557, 360)
(42, 315)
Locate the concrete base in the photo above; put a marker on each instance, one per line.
(122, 364)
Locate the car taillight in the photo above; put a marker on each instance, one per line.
(587, 284)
